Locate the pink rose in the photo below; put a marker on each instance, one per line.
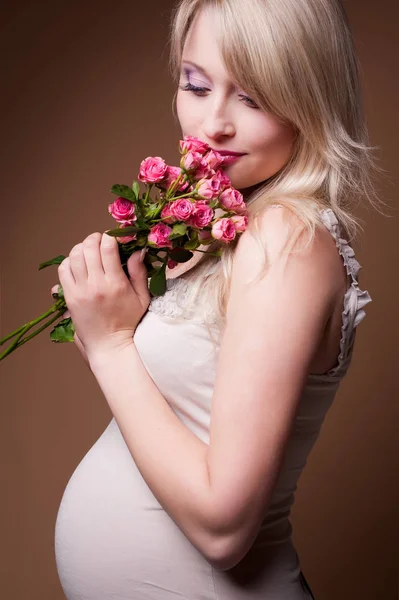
(181, 209)
(193, 144)
(202, 171)
(202, 215)
(127, 238)
(152, 169)
(122, 210)
(167, 216)
(214, 159)
(172, 173)
(209, 188)
(159, 234)
(224, 230)
(230, 199)
(223, 178)
(240, 222)
(191, 160)
(241, 209)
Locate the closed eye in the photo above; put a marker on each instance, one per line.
(248, 101)
(189, 87)
(201, 91)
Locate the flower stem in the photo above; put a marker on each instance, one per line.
(11, 335)
(49, 322)
(20, 332)
(174, 185)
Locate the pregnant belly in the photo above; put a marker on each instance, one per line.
(114, 540)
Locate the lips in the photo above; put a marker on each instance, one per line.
(229, 152)
(229, 156)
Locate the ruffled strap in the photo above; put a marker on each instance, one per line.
(355, 299)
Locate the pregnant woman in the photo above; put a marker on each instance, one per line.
(219, 388)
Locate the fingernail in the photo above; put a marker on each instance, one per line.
(142, 255)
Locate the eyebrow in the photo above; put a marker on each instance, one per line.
(193, 64)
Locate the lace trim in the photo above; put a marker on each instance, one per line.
(174, 303)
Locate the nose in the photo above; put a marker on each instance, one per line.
(217, 123)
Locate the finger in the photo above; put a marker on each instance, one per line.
(92, 254)
(66, 277)
(54, 290)
(110, 256)
(138, 277)
(78, 264)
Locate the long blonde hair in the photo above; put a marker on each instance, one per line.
(296, 59)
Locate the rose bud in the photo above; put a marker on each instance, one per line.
(230, 199)
(172, 173)
(214, 159)
(193, 144)
(181, 209)
(224, 230)
(209, 188)
(159, 235)
(202, 215)
(190, 161)
(122, 210)
(152, 169)
(167, 216)
(240, 222)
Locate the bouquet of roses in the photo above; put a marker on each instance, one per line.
(180, 209)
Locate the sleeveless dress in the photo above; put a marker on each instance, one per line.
(114, 541)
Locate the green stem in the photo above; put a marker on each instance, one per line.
(149, 188)
(173, 187)
(59, 305)
(34, 333)
(185, 196)
(11, 335)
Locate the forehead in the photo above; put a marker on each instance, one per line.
(202, 43)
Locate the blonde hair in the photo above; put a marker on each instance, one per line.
(295, 59)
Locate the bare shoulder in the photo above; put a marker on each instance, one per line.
(281, 249)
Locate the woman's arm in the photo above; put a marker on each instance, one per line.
(218, 494)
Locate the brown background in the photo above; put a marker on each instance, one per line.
(87, 95)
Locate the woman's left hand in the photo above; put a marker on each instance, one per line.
(105, 305)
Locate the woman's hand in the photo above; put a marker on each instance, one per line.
(104, 304)
(66, 315)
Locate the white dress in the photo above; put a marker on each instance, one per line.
(114, 541)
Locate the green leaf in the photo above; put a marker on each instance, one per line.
(152, 210)
(136, 189)
(180, 255)
(158, 282)
(63, 331)
(124, 191)
(179, 228)
(191, 245)
(193, 242)
(54, 261)
(141, 240)
(122, 231)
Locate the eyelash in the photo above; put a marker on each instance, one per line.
(189, 87)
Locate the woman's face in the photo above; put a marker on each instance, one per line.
(210, 107)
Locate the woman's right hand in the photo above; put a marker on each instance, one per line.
(78, 343)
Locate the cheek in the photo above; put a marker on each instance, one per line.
(272, 135)
(184, 111)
